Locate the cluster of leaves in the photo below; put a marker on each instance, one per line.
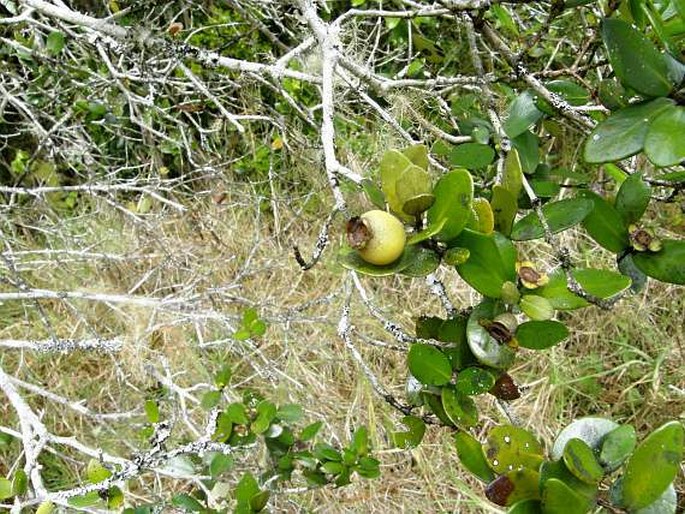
(588, 453)
(471, 217)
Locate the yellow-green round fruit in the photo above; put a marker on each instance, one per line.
(377, 236)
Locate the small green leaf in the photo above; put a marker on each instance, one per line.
(504, 208)
(309, 432)
(187, 503)
(557, 469)
(491, 263)
(413, 436)
(665, 144)
(512, 178)
(425, 261)
(374, 193)
(580, 460)
(290, 412)
(617, 446)
(453, 197)
(521, 115)
(85, 500)
(5, 489)
(605, 224)
(20, 482)
(460, 408)
(597, 282)
(474, 380)
(429, 365)
(418, 155)
(392, 166)
(54, 44)
(210, 399)
(115, 498)
(509, 448)
(558, 498)
(667, 265)
(540, 335)
(222, 377)
(560, 216)
(426, 233)
(635, 59)
(471, 456)
(151, 411)
(528, 147)
(413, 189)
(266, 412)
(219, 464)
(536, 307)
(623, 133)
(360, 441)
(96, 472)
(237, 413)
(472, 155)
(247, 488)
(484, 347)
(632, 198)
(47, 507)
(657, 457)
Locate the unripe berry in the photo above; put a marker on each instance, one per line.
(377, 236)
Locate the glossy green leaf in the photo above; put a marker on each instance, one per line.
(581, 461)
(665, 144)
(20, 482)
(513, 487)
(429, 365)
(508, 448)
(536, 307)
(491, 263)
(667, 503)
(412, 190)
(527, 145)
(424, 262)
(413, 436)
(266, 412)
(483, 219)
(418, 155)
(617, 446)
(456, 256)
(472, 155)
(504, 208)
(597, 282)
(512, 178)
(605, 224)
(434, 402)
(540, 335)
(521, 115)
(624, 132)
(309, 432)
(634, 58)
(471, 456)
(484, 347)
(557, 469)
(460, 408)
(633, 198)
(115, 498)
(590, 430)
(558, 498)
(657, 457)
(453, 197)
(667, 265)
(560, 216)
(474, 380)
(627, 267)
(392, 165)
(5, 489)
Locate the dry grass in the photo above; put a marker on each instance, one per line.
(625, 364)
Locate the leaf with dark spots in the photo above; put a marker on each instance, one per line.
(499, 490)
